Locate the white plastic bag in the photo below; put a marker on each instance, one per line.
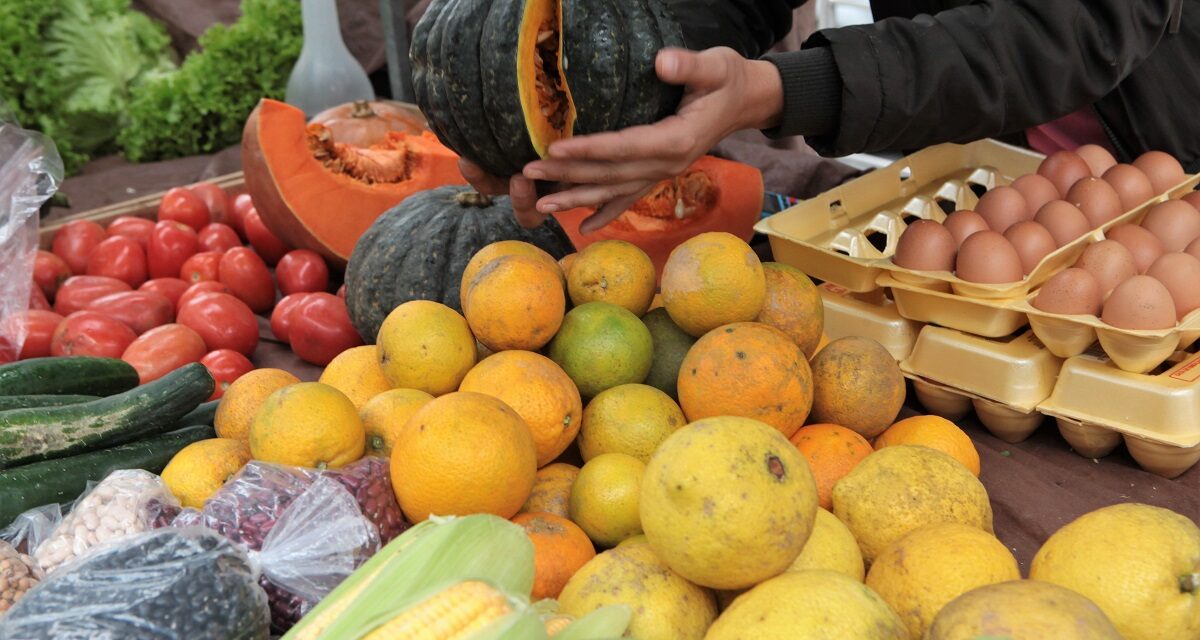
(32, 527)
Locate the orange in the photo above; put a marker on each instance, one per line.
(552, 489)
(656, 303)
(750, 370)
(516, 302)
(934, 432)
(793, 305)
(538, 390)
(201, 468)
(632, 419)
(858, 385)
(496, 250)
(601, 345)
(606, 496)
(560, 548)
(385, 414)
(425, 345)
(711, 280)
(463, 453)
(356, 373)
(244, 398)
(566, 262)
(821, 344)
(308, 425)
(613, 271)
(832, 452)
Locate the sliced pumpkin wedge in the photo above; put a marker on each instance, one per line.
(541, 80)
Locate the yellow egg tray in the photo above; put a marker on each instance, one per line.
(870, 314)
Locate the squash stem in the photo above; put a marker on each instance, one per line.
(362, 109)
(473, 198)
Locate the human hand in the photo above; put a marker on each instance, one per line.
(521, 191)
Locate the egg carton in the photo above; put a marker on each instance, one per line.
(873, 315)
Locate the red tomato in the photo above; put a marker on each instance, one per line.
(302, 270)
(218, 237)
(171, 244)
(238, 208)
(49, 272)
(8, 353)
(37, 299)
(121, 258)
(79, 291)
(342, 292)
(137, 228)
(139, 310)
(202, 267)
(248, 277)
(225, 366)
(321, 329)
(281, 317)
(170, 288)
(181, 205)
(223, 321)
(75, 241)
(214, 198)
(199, 288)
(88, 333)
(270, 247)
(162, 350)
(38, 327)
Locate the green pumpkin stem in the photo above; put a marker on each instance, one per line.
(362, 109)
(472, 198)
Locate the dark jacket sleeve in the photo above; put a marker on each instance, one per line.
(986, 69)
(749, 27)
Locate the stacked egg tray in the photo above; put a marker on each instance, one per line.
(982, 347)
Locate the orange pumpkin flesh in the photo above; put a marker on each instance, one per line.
(545, 98)
(712, 195)
(315, 193)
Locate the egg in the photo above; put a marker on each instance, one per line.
(1192, 198)
(1175, 222)
(1110, 262)
(962, 224)
(1065, 222)
(1071, 291)
(1180, 274)
(1032, 242)
(1132, 186)
(1064, 168)
(1036, 190)
(1143, 245)
(1193, 249)
(926, 246)
(1098, 158)
(1003, 207)
(987, 257)
(1096, 199)
(1140, 302)
(1163, 169)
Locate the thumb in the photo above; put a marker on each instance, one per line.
(702, 70)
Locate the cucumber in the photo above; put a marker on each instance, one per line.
(70, 375)
(24, 402)
(203, 414)
(44, 433)
(62, 480)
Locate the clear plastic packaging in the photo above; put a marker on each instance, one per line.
(33, 527)
(18, 574)
(169, 584)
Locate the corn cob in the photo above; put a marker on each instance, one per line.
(452, 613)
(556, 624)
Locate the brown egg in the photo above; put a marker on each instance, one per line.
(1143, 245)
(1096, 199)
(988, 257)
(1110, 262)
(1071, 291)
(1193, 249)
(1132, 186)
(1098, 158)
(1064, 169)
(926, 246)
(1140, 302)
(961, 224)
(1036, 190)
(1003, 207)
(1180, 274)
(1175, 222)
(1163, 169)
(1032, 242)
(1192, 198)
(1065, 222)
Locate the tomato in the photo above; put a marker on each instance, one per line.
(281, 317)
(321, 329)
(225, 366)
(121, 258)
(223, 321)
(162, 350)
(49, 272)
(248, 278)
(342, 292)
(302, 270)
(238, 208)
(37, 299)
(170, 288)
(218, 237)
(214, 199)
(88, 333)
(79, 291)
(139, 310)
(201, 267)
(211, 286)
(267, 244)
(171, 244)
(75, 241)
(137, 228)
(38, 327)
(181, 205)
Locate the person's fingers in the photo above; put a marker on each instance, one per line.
(601, 172)
(703, 70)
(480, 180)
(673, 137)
(607, 213)
(591, 195)
(523, 194)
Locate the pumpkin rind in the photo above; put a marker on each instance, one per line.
(670, 34)
(501, 98)
(594, 45)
